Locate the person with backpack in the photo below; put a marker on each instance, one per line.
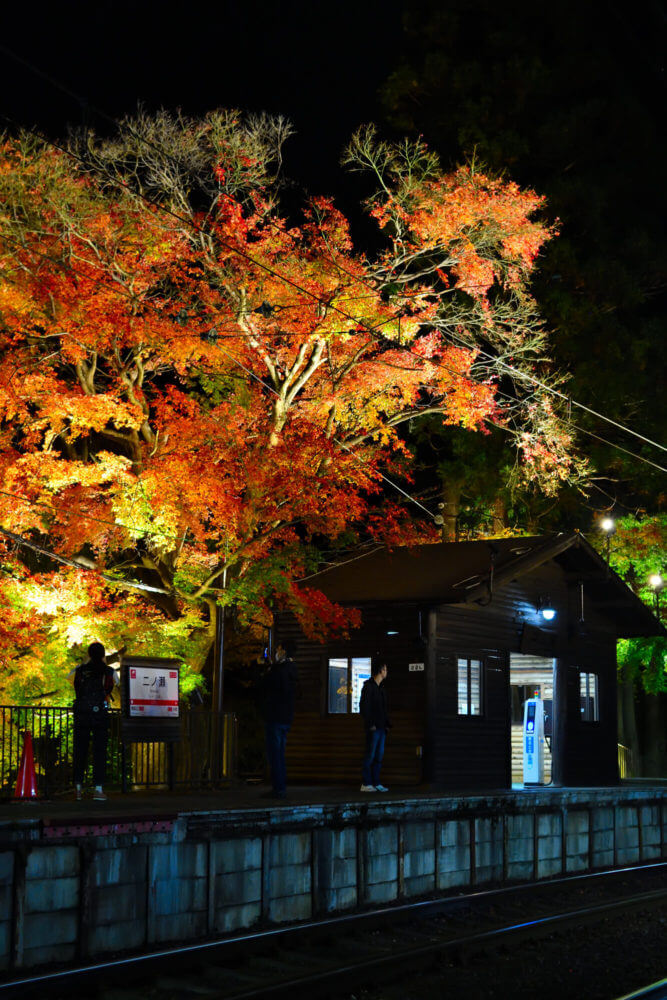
(93, 683)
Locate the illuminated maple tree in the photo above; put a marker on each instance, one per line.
(194, 386)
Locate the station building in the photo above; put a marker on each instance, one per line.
(469, 630)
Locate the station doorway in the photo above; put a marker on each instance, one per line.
(530, 676)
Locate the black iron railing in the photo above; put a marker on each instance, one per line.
(188, 763)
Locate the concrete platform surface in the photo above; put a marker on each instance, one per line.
(242, 797)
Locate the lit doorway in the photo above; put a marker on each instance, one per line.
(530, 676)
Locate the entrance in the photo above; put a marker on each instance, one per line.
(530, 676)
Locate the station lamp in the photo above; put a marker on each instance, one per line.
(656, 583)
(608, 525)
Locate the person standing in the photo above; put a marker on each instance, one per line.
(279, 697)
(373, 708)
(93, 684)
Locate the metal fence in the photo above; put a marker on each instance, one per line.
(188, 763)
(626, 762)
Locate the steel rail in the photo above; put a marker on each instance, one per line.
(655, 991)
(215, 949)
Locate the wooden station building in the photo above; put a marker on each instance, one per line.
(462, 630)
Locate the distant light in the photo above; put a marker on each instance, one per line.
(392, 633)
(608, 524)
(655, 581)
(548, 614)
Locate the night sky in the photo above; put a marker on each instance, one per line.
(319, 66)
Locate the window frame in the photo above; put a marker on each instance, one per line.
(349, 694)
(470, 714)
(584, 718)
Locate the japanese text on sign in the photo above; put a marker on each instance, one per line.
(153, 691)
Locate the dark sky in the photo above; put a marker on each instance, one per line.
(320, 65)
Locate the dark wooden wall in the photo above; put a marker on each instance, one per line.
(461, 752)
(329, 748)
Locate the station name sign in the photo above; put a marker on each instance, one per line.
(153, 692)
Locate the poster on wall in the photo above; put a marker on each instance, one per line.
(153, 691)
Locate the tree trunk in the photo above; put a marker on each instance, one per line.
(451, 502)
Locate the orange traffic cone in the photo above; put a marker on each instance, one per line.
(26, 784)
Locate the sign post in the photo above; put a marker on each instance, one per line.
(150, 706)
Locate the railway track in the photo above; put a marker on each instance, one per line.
(328, 957)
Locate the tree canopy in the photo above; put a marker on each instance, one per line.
(195, 386)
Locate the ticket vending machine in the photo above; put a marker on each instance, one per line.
(533, 742)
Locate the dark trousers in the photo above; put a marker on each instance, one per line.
(373, 757)
(276, 741)
(83, 731)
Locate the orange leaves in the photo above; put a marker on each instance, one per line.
(207, 387)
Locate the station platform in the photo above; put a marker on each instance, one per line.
(81, 880)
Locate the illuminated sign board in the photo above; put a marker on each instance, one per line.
(153, 691)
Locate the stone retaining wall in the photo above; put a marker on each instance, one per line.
(78, 894)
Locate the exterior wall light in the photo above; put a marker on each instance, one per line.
(546, 609)
(392, 633)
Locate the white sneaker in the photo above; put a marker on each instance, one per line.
(368, 788)
(381, 788)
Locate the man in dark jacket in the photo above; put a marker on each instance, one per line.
(279, 695)
(373, 708)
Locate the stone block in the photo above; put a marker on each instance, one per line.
(336, 873)
(602, 819)
(236, 855)
(42, 929)
(418, 837)
(114, 903)
(5, 942)
(337, 843)
(519, 827)
(382, 840)
(549, 825)
(451, 879)
(419, 863)
(518, 871)
(178, 895)
(296, 907)
(454, 833)
(52, 862)
(344, 898)
(549, 847)
(577, 823)
(381, 868)
(232, 918)
(287, 880)
(54, 894)
(48, 953)
(238, 888)
(6, 867)
(546, 867)
(120, 865)
(117, 935)
(180, 926)
(6, 893)
(419, 885)
(289, 849)
(381, 892)
(177, 861)
(488, 850)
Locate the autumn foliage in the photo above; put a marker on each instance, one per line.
(195, 387)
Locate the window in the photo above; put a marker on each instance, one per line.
(588, 697)
(346, 679)
(469, 686)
